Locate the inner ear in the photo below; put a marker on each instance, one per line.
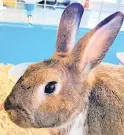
(92, 48)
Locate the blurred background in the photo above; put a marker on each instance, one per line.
(30, 27)
(48, 12)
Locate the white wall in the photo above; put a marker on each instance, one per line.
(1, 4)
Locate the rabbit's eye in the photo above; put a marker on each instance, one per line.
(50, 87)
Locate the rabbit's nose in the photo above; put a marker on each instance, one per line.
(7, 104)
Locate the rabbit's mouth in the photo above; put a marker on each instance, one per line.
(20, 117)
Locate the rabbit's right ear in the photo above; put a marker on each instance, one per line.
(68, 27)
(91, 49)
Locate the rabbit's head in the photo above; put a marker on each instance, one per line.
(55, 91)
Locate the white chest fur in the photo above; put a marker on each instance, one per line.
(75, 127)
(78, 127)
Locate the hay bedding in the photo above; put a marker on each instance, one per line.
(6, 126)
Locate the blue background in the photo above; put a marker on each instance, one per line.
(23, 43)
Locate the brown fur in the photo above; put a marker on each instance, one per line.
(93, 92)
(106, 101)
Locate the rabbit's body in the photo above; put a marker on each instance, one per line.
(71, 93)
(105, 108)
(106, 101)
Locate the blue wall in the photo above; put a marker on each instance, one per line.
(23, 43)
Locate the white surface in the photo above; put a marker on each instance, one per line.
(1, 3)
(120, 56)
(108, 1)
(18, 70)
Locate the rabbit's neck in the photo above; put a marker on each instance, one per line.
(75, 127)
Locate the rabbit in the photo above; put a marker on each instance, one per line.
(73, 92)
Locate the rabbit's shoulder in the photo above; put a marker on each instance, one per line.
(106, 101)
(107, 67)
(109, 79)
(109, 75)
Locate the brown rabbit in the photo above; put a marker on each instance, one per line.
(71, 93)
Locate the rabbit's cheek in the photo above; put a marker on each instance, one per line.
(45, 120)
(38, 97)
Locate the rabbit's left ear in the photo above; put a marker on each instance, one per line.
(91, 49)
(68, 27)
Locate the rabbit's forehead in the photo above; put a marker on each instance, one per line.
(50, 64)
(48, 75)
(45, 72)
(43, 75)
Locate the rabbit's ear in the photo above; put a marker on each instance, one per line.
(68, 27)
(91, 49)
(17, 71)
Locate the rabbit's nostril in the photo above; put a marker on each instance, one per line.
(7, 105)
